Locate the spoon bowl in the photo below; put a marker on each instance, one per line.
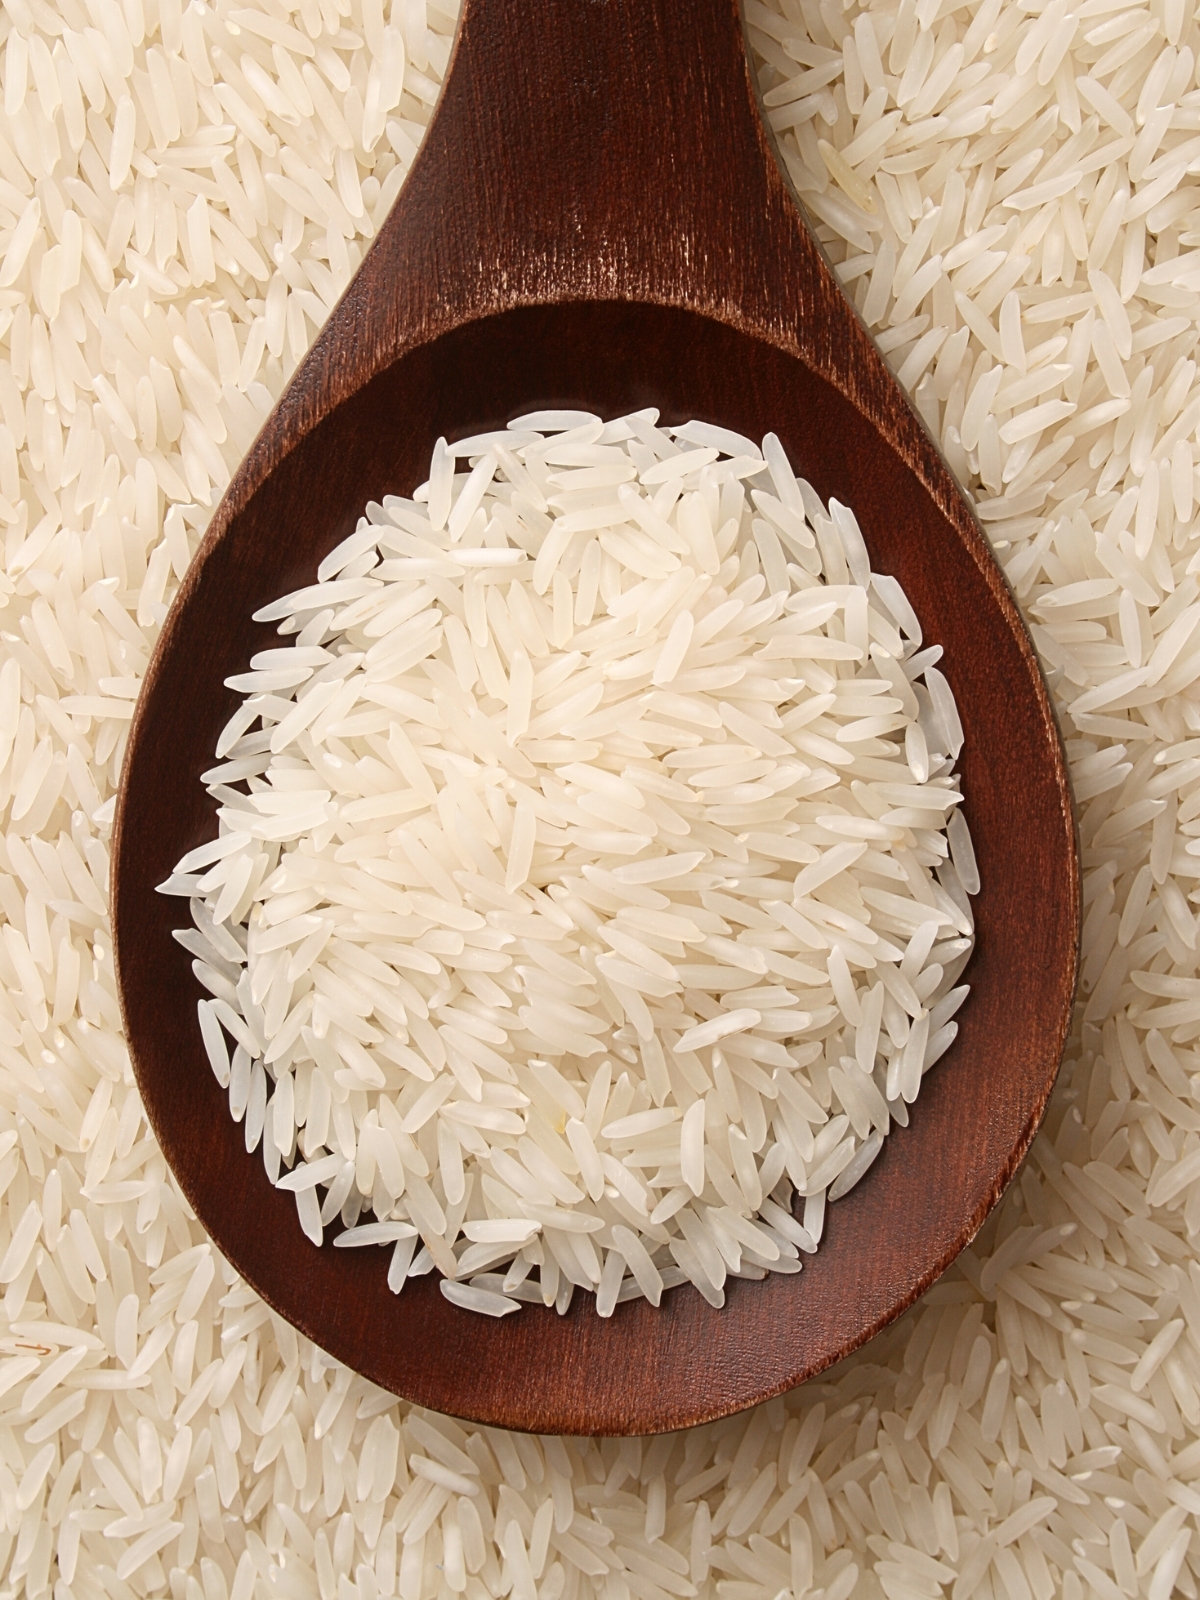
(597, 220)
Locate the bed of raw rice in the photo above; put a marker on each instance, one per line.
(1009, 194)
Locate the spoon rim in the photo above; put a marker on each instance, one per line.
(509, 1413)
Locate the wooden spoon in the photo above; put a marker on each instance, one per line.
(597, 218)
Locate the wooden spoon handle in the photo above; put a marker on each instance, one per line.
(598, 151)
(605, 149)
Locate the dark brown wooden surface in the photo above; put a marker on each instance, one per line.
(597, 218)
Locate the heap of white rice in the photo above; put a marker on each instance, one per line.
(582, 891)
(984, 179)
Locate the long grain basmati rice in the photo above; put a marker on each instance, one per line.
(1092, 1266)
(538, 948)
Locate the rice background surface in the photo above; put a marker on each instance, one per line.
(1009, 192)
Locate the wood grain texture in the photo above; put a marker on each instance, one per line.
(597, 218)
